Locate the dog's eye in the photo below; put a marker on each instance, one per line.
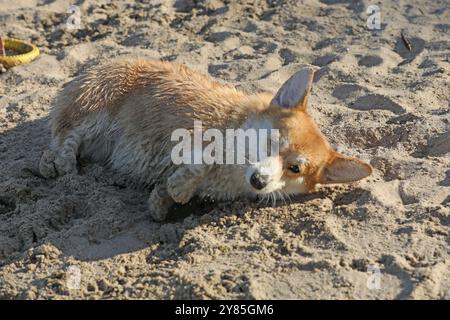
(294, 168)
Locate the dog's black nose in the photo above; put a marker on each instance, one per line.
(257, 181)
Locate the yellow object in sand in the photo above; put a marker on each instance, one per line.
(26, 52)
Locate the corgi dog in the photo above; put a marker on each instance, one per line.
(122, 114)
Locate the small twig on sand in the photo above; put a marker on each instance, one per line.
(421, 11)
(2, 48)
(406, 42)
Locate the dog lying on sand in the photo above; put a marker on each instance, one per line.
(123, 114)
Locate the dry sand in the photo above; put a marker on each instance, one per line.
(372, 98)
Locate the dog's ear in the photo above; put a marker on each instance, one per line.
(344, 169)
(295, 91)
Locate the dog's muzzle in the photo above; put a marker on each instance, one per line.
(258, 181)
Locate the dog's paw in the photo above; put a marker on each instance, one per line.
(181, 192)
(65, 164)
(159, 204)
(47, 164)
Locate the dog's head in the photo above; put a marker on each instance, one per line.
(304, 158)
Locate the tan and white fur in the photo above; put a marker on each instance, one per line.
(122, 114)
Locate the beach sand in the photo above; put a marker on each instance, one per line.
(89, 235)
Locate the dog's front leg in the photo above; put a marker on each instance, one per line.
(184, 182)
(159, 202)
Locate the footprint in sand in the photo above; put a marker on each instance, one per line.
(359, 98)
(348, 90)
(265, 47)
(337, 42)
(324, 60)
(217, 69)
(376, 101)
(288, 56)
(219, 36)
(440, 145)
(363, 100)
(370, 61)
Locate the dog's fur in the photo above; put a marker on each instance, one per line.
(123, 113)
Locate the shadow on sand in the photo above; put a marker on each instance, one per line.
(91, 215)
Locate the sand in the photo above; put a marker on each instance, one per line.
(90, 236)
